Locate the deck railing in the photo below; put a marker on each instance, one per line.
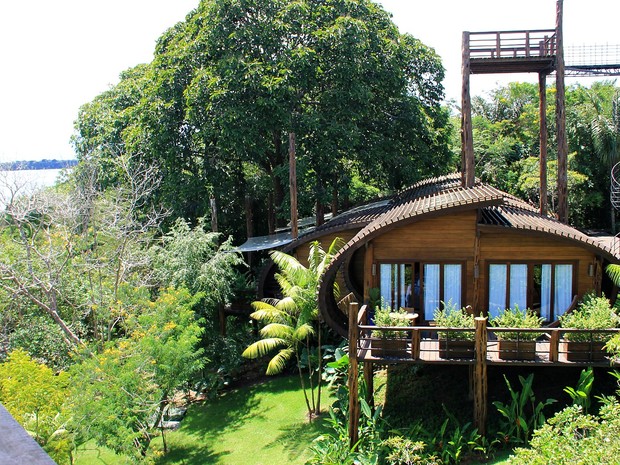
(433, 344)
(512, 44)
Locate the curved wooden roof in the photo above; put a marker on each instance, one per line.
(445, 195)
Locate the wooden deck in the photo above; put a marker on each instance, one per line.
(429, 354)
(524, 51)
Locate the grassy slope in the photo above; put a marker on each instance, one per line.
(261, 425)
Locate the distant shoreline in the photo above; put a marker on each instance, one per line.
(37, 165)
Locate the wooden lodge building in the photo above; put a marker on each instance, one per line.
(455, 239)
(478, 247)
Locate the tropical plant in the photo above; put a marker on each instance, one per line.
(522, 415)
(35, 396)
(404, 451)
(385, 317)
(593, 313)
(290, 322)
(333, 448)
(581, 393)
(452, 317)
(118, 396)
(517, 318)
(571, 437)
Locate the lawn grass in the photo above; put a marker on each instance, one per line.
(263, 424)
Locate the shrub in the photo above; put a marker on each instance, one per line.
(593, 313)
(517, 318)
(386, 317)
(453, 317)
(573, 437)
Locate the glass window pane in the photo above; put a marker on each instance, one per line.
(518, 286)
(563, 291)
(431, 290)
(497, 289)
(385, 271)
(545, 291)
(541, 291)
(452, 284)
(406, 297)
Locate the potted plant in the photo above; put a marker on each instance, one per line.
(455, 344)
(390, 343)
(593, 313)
(518, 345)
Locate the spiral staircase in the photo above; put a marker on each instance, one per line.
(614, 194)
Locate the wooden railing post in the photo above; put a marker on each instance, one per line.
(354, 405)
(480, 376)
(415, 344)
(554, 346)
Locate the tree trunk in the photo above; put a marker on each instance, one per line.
(320, 209)
(293, 183)
(335, 199)
(303, 386)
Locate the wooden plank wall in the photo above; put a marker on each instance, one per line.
(444, 238)
(452, 238)
(530, 246)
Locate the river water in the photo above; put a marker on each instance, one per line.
(25, 181)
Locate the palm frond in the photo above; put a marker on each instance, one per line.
(262, 347)
(278, 362)
(288, 305)
(277, 330)
(303, 331)
(613, 271)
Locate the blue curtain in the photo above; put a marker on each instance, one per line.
(497, 289)
(431, 290)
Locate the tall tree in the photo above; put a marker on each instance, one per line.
(291, 323)
(229, 84)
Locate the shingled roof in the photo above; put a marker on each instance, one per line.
(444, 195)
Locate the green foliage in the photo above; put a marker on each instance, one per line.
(574, 437)
(522, 415)
(581, 393)
(505, 124)
(41, 338)
(333, 448)
(517, 318)
(452, 317)
(193, 258)
(404, 451)
(593, 313)
(385, 317)
(227, 85)
(35, 395)
(289, 322)
(118, 395)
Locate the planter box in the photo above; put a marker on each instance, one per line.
(456, 349)
(393, 347)
(583, 351)
(517, 350)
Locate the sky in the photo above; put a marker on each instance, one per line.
(58, 55)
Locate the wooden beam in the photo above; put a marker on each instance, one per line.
(560, 114)
(480, 376)
(370, 383)
(554, 346)
(354, 405)
(467, 143)
(415, 344)
(293, 183)
(542, 111)
(369, 259)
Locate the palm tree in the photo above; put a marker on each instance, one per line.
(606, 135)
(290, 322)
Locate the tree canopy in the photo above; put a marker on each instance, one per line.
(226, 86)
